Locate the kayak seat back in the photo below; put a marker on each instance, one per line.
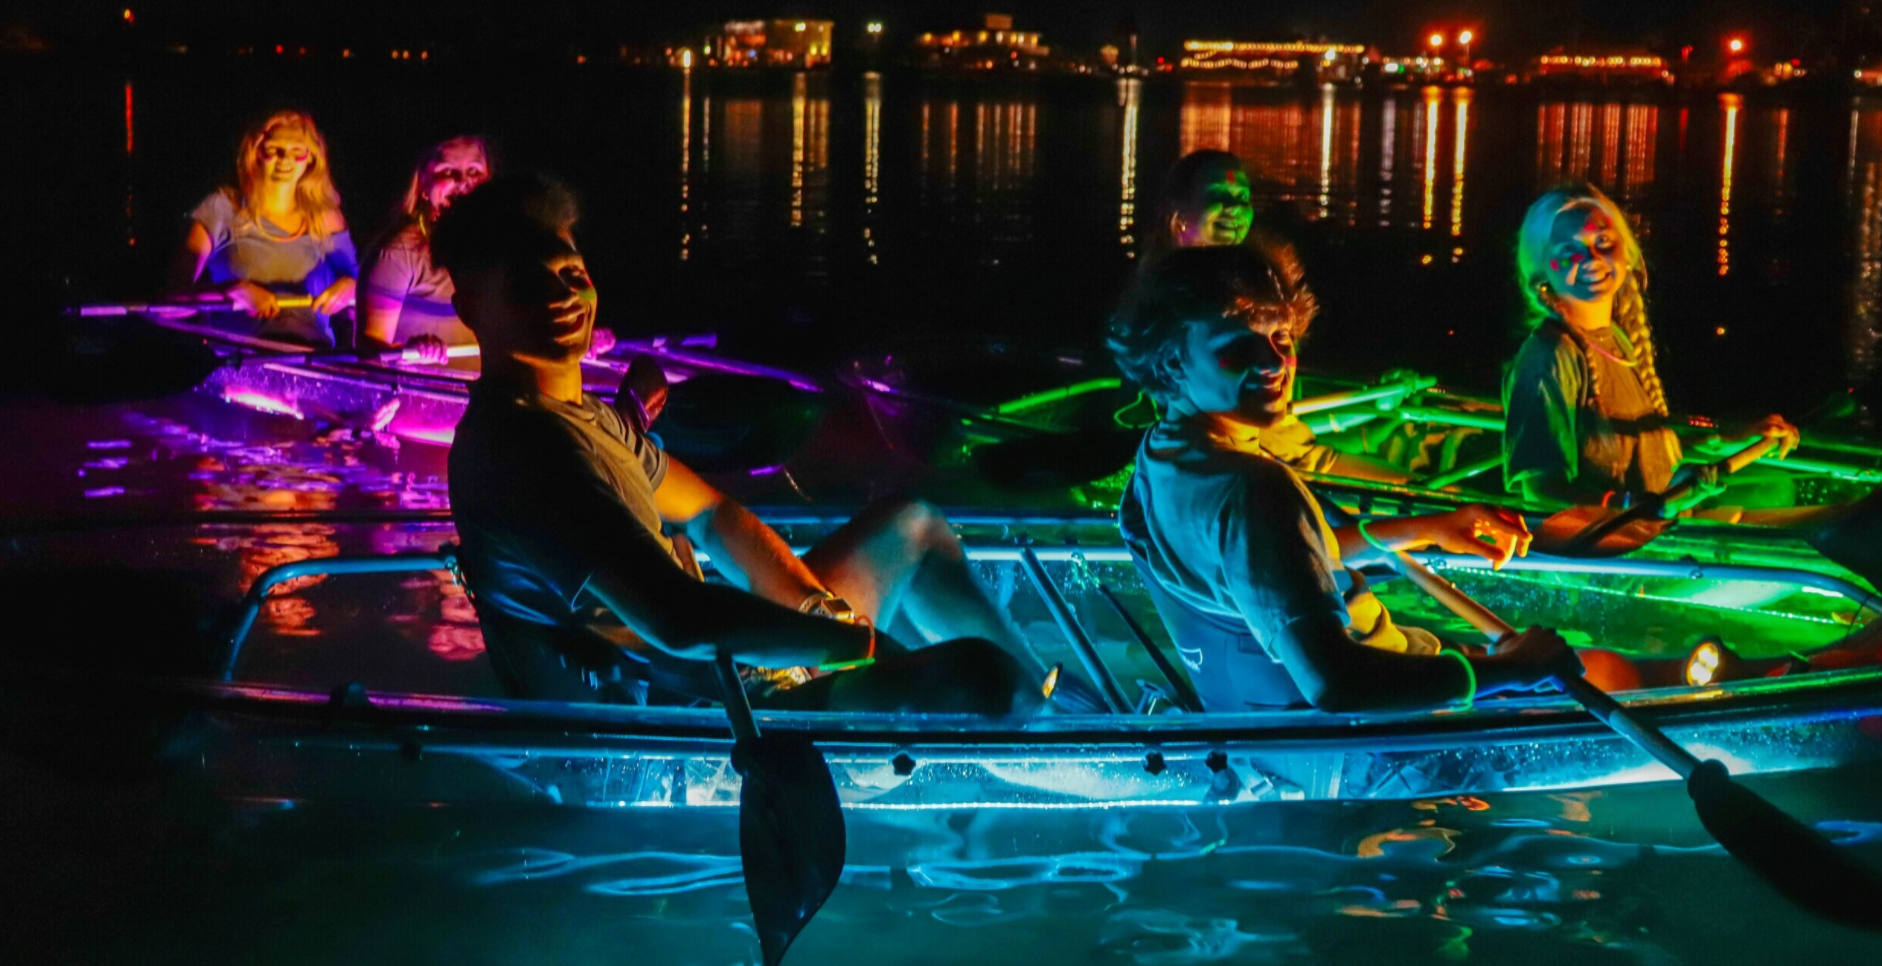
(1230, 669)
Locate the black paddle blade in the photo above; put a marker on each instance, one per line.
(790, 834)
(1793, 858)
(1566, 534)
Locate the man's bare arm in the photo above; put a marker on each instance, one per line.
(743, 547)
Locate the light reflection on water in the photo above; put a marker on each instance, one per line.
(1588, 877)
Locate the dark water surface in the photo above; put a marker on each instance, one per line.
(816, 217)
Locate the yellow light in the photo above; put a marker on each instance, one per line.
(686, 59)
(1719, 331)
(1736, 45)
(129, 17)
(1435, 40)
(875, 28)
(1703, 665)
(1466, 37)
(800, 27)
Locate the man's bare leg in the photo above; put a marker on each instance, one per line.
(899, 560)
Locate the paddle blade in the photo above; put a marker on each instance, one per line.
(1791, 857)
(790, 834)
(1565, 534)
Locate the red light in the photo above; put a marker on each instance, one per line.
(277, 48)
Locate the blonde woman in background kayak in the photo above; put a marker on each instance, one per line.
(277, 231)
(407, 302)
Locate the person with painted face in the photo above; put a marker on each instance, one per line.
(407, 302)
(563, 509)
(1586, 412)
(1247, 574)
(277, 231)
(1208, 201)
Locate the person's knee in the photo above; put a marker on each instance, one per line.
(917, 520)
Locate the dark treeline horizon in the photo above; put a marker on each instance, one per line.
(1506, 29)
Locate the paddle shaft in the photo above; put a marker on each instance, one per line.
(1610, 712)
(1652, 505)
(737, 706)
(208, 300)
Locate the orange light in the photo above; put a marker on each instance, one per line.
(1435, 40)
(1736, 45)
(1466, 37)
(129, 17)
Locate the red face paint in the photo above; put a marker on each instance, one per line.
(1237, 178)
(1554, 265)
(1579, 258)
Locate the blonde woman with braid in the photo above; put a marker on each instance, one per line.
(1586, 411)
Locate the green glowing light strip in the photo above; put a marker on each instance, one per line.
(1657, 598)
(1049, 396)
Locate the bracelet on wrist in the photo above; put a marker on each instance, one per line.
(869, 656)
(1375, 542)
(1470, 676)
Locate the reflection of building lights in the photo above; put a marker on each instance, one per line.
(1462, 96)
(1432, 96)
(1730, 102)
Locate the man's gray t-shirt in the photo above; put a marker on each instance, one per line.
(1223, 528)
(541, 490)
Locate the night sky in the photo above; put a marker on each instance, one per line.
(1507, 28)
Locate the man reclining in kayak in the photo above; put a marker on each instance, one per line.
(1247, 574)
(560, 504)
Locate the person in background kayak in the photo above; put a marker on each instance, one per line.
(407, 301)
(277, 231)
(1248, 576)
(561, 505)
(1586, 412)
(1207, 200)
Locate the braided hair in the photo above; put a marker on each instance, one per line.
(1630, 304)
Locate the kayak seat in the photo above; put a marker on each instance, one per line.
(1229, 668)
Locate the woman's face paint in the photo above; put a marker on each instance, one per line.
(1218, 214)
(457, 171)
(1586, 257)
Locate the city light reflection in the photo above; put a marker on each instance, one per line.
(872, 158)
(1432, 97)
(1326, 146)
(1388, 151)
(1462, 136)
(1129, 92)
(1730, 103)
(686, 158)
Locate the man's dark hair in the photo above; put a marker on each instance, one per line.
(1196, 284)
(502, 220)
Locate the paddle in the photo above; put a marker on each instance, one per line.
(1793, 858)
(188, 305)
(1594, 531)
(790, 824)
